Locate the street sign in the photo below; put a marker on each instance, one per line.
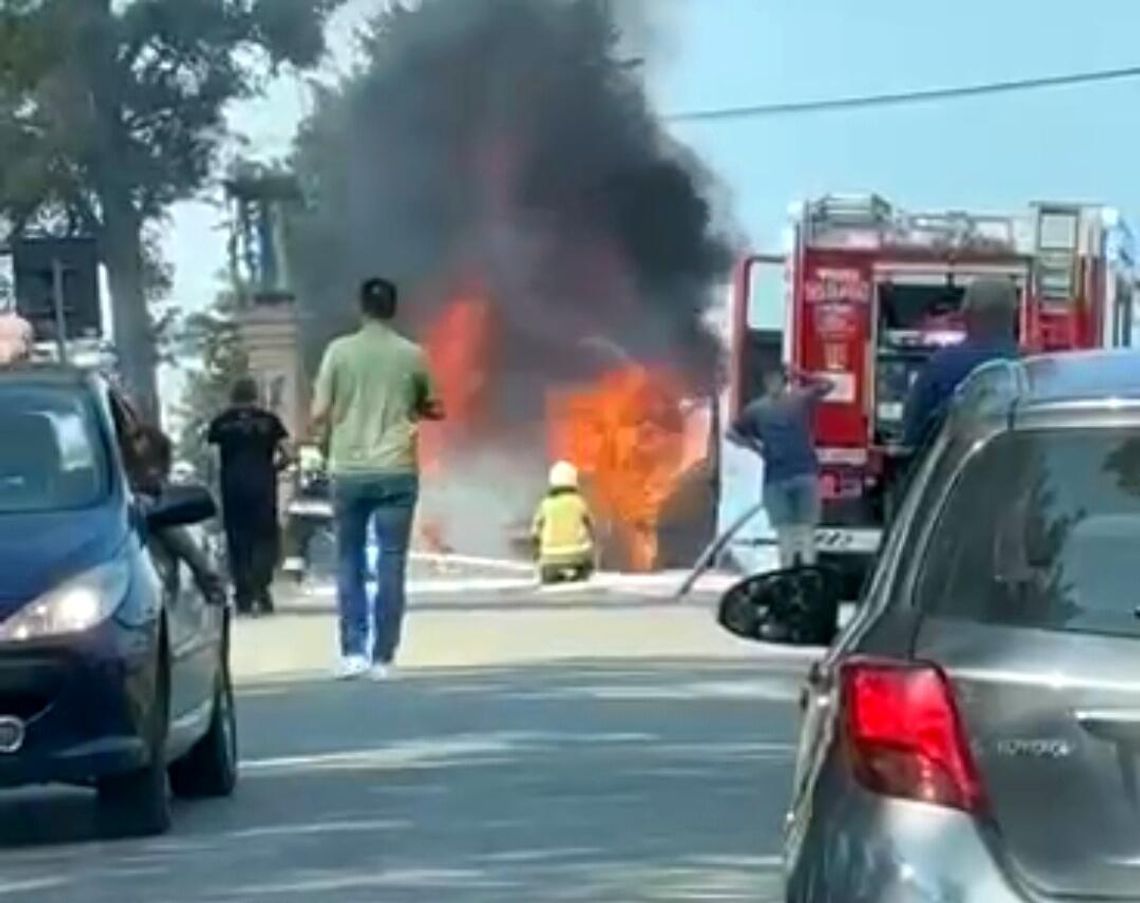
(57, 287)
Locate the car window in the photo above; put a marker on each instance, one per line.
(1041, 530)
(51, 458)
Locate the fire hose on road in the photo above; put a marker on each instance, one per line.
(716, 547)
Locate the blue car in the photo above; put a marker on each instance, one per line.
(114, 666)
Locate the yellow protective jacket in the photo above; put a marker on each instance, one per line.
(563, 529)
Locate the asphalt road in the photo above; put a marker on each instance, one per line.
(599, 747)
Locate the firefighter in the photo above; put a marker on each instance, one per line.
(563, 529)
(990, 313)
(306, 516)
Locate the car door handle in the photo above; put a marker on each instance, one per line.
(1115, 726)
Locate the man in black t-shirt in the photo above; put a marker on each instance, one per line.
(252, 445)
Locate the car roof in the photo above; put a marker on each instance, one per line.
(1091, 381)
(1082, 376)
(46, 374)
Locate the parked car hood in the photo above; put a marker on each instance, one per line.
(40, 551)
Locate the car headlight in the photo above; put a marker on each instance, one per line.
(78, 605)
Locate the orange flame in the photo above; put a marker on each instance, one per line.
(459, 349)
(626, 432)
(458, 346)
(627, 436)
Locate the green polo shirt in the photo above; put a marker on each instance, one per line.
(371, 383)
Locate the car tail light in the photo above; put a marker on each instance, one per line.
(904, 735)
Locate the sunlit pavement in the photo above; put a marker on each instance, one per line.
(601, 746)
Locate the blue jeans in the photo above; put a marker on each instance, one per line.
(793, 507)
(389, 504)
(793, 502)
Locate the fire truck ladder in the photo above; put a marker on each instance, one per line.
(953, 230)
(848, 211)
(958, 230)
(1057, 252)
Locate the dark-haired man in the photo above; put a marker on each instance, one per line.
(148, 455)
(252, 444)
(778, 427)
(990, 313)
(372, 391)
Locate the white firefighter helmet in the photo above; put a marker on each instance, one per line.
(563, 475)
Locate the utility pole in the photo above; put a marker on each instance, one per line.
(57, 303)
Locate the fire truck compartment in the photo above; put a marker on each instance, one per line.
(916, 317)
(908, 309)
(895, 373)
(913, 322)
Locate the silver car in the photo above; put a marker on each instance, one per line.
(972, 735)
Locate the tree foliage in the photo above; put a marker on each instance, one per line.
(111, 112)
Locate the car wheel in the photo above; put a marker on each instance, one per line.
(210, 768)
(137, 804)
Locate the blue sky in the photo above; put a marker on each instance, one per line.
(995, 152)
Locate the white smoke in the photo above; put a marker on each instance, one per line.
(484, 503)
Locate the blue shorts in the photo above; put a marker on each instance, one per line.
(793, 502)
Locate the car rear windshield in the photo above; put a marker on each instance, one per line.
(51, 454)
(1042, 530)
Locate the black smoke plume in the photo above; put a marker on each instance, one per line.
(507, 148)
(507, 141)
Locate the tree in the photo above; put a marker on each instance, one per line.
(214, 339)
(120, 113)
(24, 45)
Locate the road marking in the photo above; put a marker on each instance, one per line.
(299, 829)
(397, 754)
(458, 880)
(34, 884)
(432, 752)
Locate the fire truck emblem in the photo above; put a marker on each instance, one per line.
(831, 286)
(836, 321)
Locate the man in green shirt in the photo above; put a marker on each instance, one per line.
(372, 392)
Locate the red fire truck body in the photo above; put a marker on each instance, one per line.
(867, 293)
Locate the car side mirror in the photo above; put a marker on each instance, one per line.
(181, 506)
(797, 607)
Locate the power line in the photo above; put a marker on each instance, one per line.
(905, 97)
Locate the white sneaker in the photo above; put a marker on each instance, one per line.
(351, 667)
(380, 672)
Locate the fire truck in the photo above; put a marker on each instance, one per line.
(864, 293)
